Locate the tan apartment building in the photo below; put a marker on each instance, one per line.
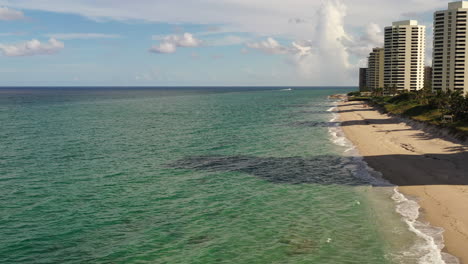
(449, 50)
(375, 69)
(405, 55)
(363, 80)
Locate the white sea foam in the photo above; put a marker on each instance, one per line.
(428, 249)
(354, 162)
(432, 241)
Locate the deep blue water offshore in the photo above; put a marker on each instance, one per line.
(186, 175)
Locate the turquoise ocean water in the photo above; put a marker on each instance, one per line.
(188, 175)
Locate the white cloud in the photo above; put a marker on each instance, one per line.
(32, 47)
(185, 40)
(372, 37)
(270, 46)
(328, 62)
(278, 19)
(211, 38)
(67, 36)
(266, 17)
(228, 40)
(164, 47)
(7, 14)
(169, 44)
(9, 34)
(215, 30)
(374, 34)
(429, 39)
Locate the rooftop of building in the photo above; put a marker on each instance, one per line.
(406, 23)
(458, 5)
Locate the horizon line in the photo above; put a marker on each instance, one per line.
(181, 86)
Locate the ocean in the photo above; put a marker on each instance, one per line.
(194, 175)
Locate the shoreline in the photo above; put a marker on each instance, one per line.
(423, 166)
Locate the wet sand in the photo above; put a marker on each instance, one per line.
(432, 169)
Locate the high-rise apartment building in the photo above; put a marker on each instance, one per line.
(363, 87)
(428, 77)
(450, 71)
(404, 55)
(375, 70)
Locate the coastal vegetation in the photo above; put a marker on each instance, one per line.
(445, 109)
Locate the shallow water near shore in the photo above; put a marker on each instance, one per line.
(188, 175)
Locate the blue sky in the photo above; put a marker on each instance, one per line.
(196, 42)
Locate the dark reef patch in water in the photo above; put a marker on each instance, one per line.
(324, 170)
(199, 240)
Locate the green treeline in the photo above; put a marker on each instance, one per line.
(446, 109)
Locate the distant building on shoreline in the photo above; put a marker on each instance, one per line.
(450, 50)
(363, 87)
(428, 76)
(404, 55)
(375, 70)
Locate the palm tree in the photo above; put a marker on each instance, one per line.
(457, 105)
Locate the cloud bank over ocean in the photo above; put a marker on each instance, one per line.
(308, 42)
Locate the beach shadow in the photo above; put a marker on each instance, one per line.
(425, 136)
(328, 112)
(369, 122)
(354, 110)
(425, 169)
(429, 133)
(395, 130)
(458, 149)
(355, 103)
(363, 122)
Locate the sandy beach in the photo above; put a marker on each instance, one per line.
(431, 169)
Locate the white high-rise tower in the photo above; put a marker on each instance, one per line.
(450, 51)
(375, 70)
(404, 55)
